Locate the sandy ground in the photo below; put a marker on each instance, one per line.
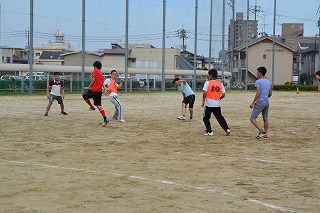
(156, 163)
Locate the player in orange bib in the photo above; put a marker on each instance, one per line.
(213, 92)
(112, 88)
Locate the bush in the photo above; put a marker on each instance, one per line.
(294, 87)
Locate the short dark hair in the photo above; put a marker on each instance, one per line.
(317, 73)
(56, 73)
(262, 70)
(174, 81)
(213, 73)
(97, 64)
(112, 71)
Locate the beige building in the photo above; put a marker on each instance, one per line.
(75, 58)
(260, 54)
(141, 58)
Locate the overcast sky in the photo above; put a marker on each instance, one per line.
(105, 21)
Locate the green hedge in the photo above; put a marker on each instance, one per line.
(288, 87)
(294, 88)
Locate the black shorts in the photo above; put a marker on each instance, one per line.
(189, 100)
(96, 96)
(54, 97)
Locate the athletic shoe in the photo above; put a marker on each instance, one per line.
(46, 114)
(181, 118)
(105, 122)
(260, 135)
(121, 120)
(228, 131)
(64, 113)
(265, 137)
(209, 133)
(91, 109)
(189, 119)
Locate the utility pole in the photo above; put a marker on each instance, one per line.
(195, 47)
(247, 45)
(83, 43)
(255, 9)
(319, 37)
(163, 81)
(231, 4)
(126, 48)
(274, 39)
(31, 53)
(0, 25)
(182, 34)
(223, 33)
(210, 36)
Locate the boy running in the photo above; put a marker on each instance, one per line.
(112, 88)
(188, 97)
(56, 86)
(213, 92)
(260, 103)
(95, 91)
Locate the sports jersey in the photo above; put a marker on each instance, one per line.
(185, 89)
(213, 89)
(112, 86)
(56, 87)
(265, 86)
(98, 83)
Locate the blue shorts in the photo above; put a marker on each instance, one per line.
(260, 106)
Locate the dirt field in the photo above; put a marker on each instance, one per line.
(156, 163)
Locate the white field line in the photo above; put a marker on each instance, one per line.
(42, 111)
(249, 159)
(167, 182)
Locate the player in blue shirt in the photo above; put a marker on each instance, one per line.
(260, 103)
(188, 97)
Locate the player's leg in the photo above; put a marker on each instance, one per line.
(217, 114)
(86, 96)
(265, 120)
(183, 109)
(51, 99)
(60, 101)
(257, 109)
(119, 108)
(97, 103)
(206, 120)
(191, 103)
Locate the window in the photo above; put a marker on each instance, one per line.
(37, 54)
(8, 60)
(2, 59)
(264, 56)
(146, 64)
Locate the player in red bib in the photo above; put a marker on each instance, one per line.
(95, 91)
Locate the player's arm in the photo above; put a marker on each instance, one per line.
(203, 98)
(270, 92)
(91, 83)
(62, 91)
(120, 84)
(183, 80)
(255, 97)
(48, 90)
(222, 95)
(105, 89)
